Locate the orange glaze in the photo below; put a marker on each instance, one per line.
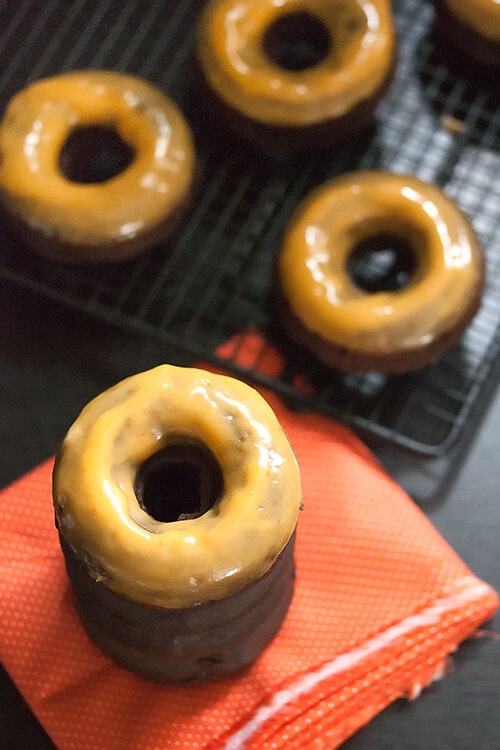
(481, 15)
(184, 562)
(34, 129)
(328, 225)
(231, 54)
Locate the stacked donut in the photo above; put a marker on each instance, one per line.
(176, 496)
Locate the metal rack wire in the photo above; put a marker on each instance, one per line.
(212, 279)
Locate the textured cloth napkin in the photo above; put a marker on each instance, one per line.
(380, 601)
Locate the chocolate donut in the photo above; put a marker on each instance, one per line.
(472, 28)
(408, 317)
(297, 74)
(176, 496)
(95, 166)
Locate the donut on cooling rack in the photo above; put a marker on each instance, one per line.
(298, 74)
(424, 285)
(95, 166)
(176, 496)
(472, 27)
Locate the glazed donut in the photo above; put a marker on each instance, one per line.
(95, 166)
(176, 496)
(298, 73)
(472, 27)
(416, 310)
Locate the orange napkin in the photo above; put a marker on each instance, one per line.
(380, 602)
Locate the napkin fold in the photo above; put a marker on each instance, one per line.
(381, 600)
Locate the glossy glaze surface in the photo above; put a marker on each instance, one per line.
(37, 124)
(230, 49)
(481, 15)
(179, 563)
(328, 225)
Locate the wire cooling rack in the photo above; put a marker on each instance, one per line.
(212, 280)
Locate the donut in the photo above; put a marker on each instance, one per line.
(95, 166)
(472, 28)
(298, 74)
(176, 497)
(378, 271)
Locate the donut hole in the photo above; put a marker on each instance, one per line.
(382, 263)
(297, 41)
(179, 482)
(94, 153)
